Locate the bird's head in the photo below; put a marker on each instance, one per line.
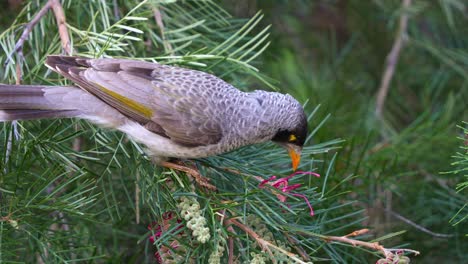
(293, 132)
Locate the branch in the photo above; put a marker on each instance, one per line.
(194, 173)
(264, 244)
(159, 21)
(387, 252)
(28, 28)
(261, 242)
(231, 247)
(61, 24)
(296, 244)
(420, 228)
(392, 60)
(137, 198)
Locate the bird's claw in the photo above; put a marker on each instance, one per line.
(195, 174)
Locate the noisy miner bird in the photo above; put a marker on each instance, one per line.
(175, 112)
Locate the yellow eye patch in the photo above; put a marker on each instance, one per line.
(292, 138)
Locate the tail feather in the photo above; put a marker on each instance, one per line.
(29, 90)
(22, 97)
(26, 102)
(10, 115)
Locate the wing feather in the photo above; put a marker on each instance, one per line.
(173, 106)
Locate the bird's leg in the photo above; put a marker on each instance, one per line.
(195, 174)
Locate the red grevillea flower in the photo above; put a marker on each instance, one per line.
(282, 184)
(158, 229)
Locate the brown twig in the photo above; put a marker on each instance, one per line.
(392, 59)
(195, 174)
(62, 25)
(420, 228)
(221, 218)
(358, 233)
(264, 244)
(27, 29)
(115, 6)
(137, 197)
(18, 73)
(354, 242)
(371, 245)
(159, 21)
(231, 246)
(297, 246)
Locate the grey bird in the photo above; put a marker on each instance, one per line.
(175, 112)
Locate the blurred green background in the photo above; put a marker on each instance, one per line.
(333, 53)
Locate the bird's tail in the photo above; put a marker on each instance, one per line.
(26, 102)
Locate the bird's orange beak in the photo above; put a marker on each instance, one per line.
(295, 154)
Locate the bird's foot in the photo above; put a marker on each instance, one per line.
(194, 173)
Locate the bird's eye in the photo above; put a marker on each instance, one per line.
(292, 138)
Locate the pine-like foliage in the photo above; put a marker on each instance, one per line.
(461, 168)
(75, 192)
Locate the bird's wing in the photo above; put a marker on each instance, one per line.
(185, 115)
(167, 100)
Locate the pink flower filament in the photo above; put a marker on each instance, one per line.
(282, 184)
